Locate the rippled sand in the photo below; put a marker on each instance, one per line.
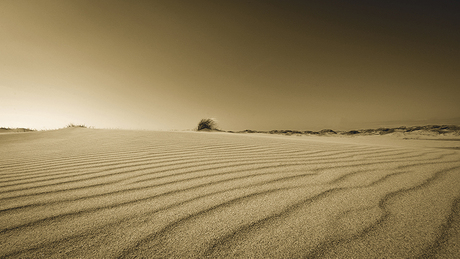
(85, 193)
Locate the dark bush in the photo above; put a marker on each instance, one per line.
(383, 131)
(352, 132)
(326, 131)
(71, 125)
(207, 124)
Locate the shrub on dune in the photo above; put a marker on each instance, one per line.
(383, 131)
(327, 131)
(207, 124)
(71, 125)
(352, 132)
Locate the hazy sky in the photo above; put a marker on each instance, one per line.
(260, 65)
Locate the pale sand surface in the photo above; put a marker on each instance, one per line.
(87, 193)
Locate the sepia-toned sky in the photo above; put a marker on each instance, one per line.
(261, 65)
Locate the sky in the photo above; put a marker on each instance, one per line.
(252, 64)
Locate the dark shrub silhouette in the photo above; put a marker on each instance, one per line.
(71, 125)
(207, 124)
(326, 131)
(383, 131)
(352, 132)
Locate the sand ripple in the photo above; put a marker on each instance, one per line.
(84, 193)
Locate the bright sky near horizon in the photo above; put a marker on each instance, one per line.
(262, 65)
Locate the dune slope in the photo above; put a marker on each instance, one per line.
(122, 194)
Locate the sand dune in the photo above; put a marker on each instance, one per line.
(87, 193)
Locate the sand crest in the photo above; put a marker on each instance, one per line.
(88, 193)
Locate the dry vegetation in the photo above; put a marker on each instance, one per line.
(71, 125)
(437, 129)
(207, 124)
(11, 130)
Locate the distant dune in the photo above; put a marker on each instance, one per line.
(89, 193)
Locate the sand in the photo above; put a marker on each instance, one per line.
(90, 193)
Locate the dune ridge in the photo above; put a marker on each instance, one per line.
(123, 194)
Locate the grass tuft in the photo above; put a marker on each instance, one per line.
(71, 125)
